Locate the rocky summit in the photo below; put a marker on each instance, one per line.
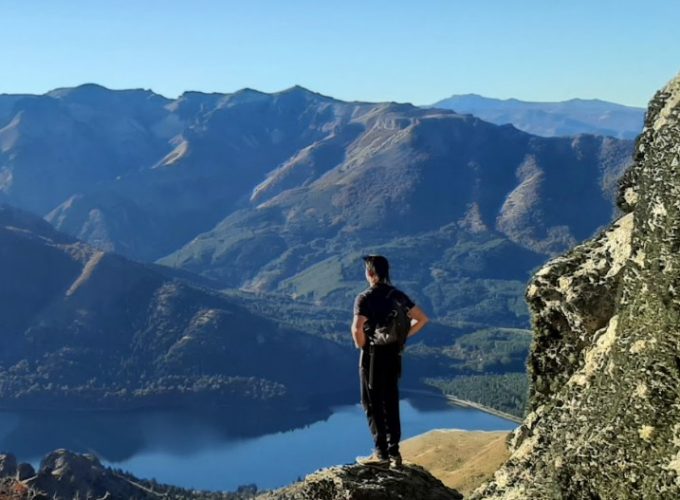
(604, 415)
(361, 482)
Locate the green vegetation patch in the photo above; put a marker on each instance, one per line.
(507, 392)
(317, 281)
(491, 348)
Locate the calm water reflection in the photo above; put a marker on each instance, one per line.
(218, 450)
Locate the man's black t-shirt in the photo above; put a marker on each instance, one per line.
(374, 304)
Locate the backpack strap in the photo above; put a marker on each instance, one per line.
(389, 295)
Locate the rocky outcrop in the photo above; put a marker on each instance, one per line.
(360, 482)
(64, 475)
(604, 419)
(8, 465)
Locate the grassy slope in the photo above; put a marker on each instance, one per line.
(461, 460)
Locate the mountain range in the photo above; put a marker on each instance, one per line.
(283, 192)
(551, 119)
(272, 199)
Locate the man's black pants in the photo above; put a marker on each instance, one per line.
(380, 396)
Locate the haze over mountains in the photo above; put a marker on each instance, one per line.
(550, 119)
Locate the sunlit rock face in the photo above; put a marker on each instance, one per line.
(604, 416)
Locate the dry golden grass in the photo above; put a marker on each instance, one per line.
(460, 459)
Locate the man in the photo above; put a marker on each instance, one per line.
(380, 365)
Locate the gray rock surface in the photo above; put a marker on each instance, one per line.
(64, 474)
(604, 417)
(8, 465)
(25, 471)
(360, 482)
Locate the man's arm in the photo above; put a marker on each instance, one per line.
(418, 320)
(358, 330)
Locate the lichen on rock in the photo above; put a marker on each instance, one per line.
(605, 363)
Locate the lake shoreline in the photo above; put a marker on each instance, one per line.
(486, 409)
(193, 450)
(465, 403)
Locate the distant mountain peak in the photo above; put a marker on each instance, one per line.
(299, 90)
(90, 91)
(200, 93)
(87, 87)
(486, 99)
(549, 119)
(248, 93)
(296, 89)
(249, 90)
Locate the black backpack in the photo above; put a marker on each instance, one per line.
(395, 327)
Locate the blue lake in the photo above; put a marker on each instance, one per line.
(196, 451)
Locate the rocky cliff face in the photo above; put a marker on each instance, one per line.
(604, 418)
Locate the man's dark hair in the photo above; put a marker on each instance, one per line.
(378, 265)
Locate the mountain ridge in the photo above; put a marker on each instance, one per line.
(549, 119)
(86, 328)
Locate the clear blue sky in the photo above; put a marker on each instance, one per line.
(374, 50)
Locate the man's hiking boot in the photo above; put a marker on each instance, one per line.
(395, 461)
(375, 458)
